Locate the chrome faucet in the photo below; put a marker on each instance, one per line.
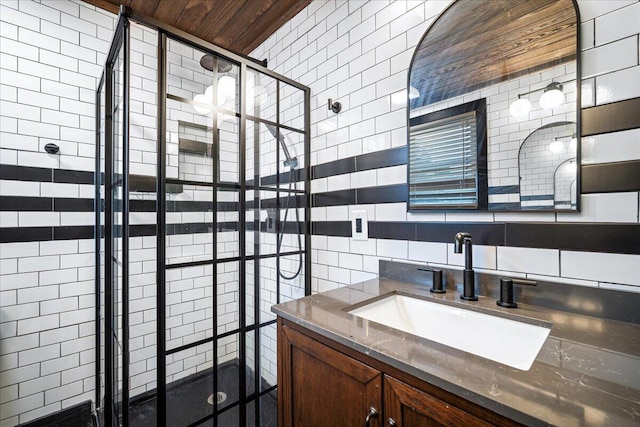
(468, 279)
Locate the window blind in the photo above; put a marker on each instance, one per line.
(442, 163)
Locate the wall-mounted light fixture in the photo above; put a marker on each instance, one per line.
(552, 97)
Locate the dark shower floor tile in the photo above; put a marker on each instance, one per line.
(187, 402)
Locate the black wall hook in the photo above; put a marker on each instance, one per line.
(334, 106)
(51, 148)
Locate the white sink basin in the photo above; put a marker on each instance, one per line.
(506, 341)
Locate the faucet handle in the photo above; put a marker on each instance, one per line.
(506, 291)
(437, 286)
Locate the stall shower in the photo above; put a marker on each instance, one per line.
(202, 220)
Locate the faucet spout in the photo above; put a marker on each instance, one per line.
(462, 238)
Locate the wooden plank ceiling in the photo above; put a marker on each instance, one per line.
(237, 25)
(478, 43)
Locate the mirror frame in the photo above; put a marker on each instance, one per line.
(578, 110)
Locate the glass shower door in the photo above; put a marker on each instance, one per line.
(111, 237)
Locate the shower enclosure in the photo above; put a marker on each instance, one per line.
(202, 224)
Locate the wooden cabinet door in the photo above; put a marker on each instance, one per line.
(409, 407)
(319, 386)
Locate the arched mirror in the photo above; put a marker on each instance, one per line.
(488, 76)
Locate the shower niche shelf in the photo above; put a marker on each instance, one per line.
(147, 184)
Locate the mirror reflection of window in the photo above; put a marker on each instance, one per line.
(447, 158)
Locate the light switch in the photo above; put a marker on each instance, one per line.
(359, 225)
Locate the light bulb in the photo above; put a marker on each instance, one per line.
(556, 146)
(209, 94)
(227, 87)
(552, 96)
(202, 99)
(573, 144)
(520, 108)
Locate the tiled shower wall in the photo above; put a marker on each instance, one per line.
(358, 53)
(53, 53)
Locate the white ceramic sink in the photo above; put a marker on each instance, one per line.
(502, 340)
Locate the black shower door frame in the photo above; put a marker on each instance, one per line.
(113, 408)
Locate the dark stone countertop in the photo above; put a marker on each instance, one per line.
(586, 374)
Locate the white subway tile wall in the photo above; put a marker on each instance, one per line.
(375, 120)
(355, 52)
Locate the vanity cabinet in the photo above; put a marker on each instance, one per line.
(319, 386)
(324, 383)
(407, 406)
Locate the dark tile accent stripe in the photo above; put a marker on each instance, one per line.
(539, 197)
(25, 234)
(376, 160)
(490, 233)
(25, 173)
(72, 205)
(298, 176)
(73, 232)
(331, 228)
(504, 189)
(26, 204)
(147, 184)
(612, 238)
(504, 206)
(334, 198)
(614, 117)
(142, 230)
(72, 177)
(299, 201)
(382, 194)
(289, 228)
(337, 167)
(607, 238)
(28, 173)
(147, 205)
(611, 177)
(392, 230)
(75, 416)
(382, 159)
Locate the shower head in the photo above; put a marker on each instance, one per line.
(291, 162)
(207, 62)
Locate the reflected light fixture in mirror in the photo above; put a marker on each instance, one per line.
(556, 146)
(552, 98)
